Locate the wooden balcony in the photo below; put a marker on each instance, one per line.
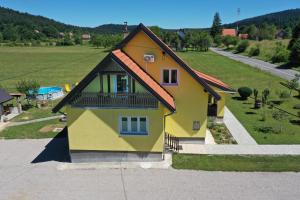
(115, 100)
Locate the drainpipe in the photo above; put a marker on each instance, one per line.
(164, 124)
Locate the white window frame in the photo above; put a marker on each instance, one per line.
(170, 76)
(130, 132)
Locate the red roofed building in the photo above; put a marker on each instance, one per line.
(230, 32)
(139, 97)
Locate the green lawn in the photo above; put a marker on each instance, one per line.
(238, 74)
(33, 112)
(236, 163)
(48, 65)
(31, 131)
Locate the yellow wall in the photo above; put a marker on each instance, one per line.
(98, 129)
(93, 86)
(190, 99)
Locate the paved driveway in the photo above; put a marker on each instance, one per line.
(29, 171)
(287, 74)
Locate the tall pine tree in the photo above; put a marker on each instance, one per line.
(216, 28)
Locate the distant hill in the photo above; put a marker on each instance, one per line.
(112, 28)
(279, 19)
(15, 24)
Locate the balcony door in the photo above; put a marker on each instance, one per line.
(120, 83)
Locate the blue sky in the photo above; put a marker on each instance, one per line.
(165, 13)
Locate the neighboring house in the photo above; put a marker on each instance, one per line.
(141, 91)
(229, 31)
(86, 37)
(243, 36)
(4, 97)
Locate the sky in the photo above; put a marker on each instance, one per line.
(164, 13)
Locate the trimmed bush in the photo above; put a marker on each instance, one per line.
(242, 46)
(245, 92)
(254, 51)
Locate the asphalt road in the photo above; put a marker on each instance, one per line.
(287, 74)
(28, 171)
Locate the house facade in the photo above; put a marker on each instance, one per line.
(139, 93)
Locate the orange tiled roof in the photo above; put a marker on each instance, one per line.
(144, 77)
(228, 31)
(212, 80)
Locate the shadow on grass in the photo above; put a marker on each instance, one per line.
(239, 98)
(295, 122)
(56, 150)
(287, 66)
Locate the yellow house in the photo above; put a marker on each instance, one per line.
(138, 96)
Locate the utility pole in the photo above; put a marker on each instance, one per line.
(237, 22)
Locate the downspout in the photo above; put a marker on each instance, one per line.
(164, 127)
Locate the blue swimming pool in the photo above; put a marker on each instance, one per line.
(47, 90)
(50, 93)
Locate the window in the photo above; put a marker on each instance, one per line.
(133, 126)
(121, 83)
(170, 76)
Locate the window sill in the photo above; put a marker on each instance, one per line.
(169, 84)
(133, 134)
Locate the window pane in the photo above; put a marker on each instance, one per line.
(174, 76)
(166, 76)
(124, 127)
(143, 125)
(121, 83)
(134, 127)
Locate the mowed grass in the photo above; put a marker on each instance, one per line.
(31, 131)
(48, 65)
(236, 163)
(237, 74)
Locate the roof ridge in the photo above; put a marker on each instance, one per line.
(168, 100)
(147, 73)
(168, 50)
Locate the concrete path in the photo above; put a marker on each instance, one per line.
(28, 171)
(287, 74)
(34, 121)
(242, 149)
(236, 129)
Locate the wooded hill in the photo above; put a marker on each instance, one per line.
(282, 19)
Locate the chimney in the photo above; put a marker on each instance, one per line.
(125, 32)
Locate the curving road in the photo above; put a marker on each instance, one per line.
(287, 74)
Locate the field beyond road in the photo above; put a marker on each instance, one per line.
(56, 66)
(48, 65)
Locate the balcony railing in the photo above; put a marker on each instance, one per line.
(115, 100)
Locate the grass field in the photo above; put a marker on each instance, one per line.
(237, 163)
(32, 131)
(48, 65)
(60, 65)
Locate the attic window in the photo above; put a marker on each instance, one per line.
(170, 77)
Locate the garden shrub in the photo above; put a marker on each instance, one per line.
(281, 54)
(242, 46)
(245, 92)
(254, 51)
